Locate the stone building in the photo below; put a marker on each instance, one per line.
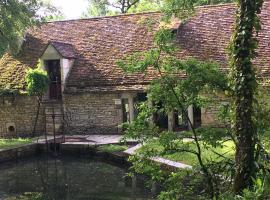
(91, 95)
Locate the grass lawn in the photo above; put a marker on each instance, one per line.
(110, 148)
(227, 150)
(14, 142)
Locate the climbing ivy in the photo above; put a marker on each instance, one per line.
(244, 85)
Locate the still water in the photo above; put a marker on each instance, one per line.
(69, 178)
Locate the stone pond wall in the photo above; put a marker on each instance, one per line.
(17, 116)
(92, 113)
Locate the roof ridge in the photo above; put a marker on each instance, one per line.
(216, 5)
(104, 17)
(57, 41)
(139, 13)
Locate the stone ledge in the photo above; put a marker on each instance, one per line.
(168, 164)
(17, 153)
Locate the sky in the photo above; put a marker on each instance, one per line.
(72, 9)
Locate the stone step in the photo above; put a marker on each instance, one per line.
(51, 126)
(55, 108)
(50, 123)
(57, 131)
(56, 118)
(51, 111)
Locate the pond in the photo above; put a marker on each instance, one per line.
(69, 178)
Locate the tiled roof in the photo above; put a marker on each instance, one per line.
(12, 73)
(100, 42)
(64, 49)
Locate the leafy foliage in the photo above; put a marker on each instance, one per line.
(180, 83)
(97, 8)
(37, 82)
(185, 82)
(16, 16)
(146, 5)
(107, 7)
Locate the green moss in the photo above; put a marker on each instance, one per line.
(110, 148)
(15, 142)
(12, 73)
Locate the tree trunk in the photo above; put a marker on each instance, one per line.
(244, 82)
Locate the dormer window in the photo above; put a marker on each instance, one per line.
(57, 59)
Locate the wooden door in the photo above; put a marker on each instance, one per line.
(53, 67)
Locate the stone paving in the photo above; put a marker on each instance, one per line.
(93, 140)
(89, 139)
(167, 162)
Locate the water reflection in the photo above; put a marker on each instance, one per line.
(69, 179)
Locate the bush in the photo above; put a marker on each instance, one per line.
(37, 81)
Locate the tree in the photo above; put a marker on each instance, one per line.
(244, 84)
(15, 17)
(97, 8)
(242, 87)
(37, 82)
(124, 5)
(146, 6)
(175, 94)
(106, 7)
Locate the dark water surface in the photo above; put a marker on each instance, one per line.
(69, 178)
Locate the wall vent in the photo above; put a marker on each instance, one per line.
(11, 128)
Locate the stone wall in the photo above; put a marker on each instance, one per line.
(92, 113)
(88, 113)
(17, 116)
(209, 116)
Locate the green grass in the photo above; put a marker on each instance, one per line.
(110, 148)
(227, 150)
(14, 142)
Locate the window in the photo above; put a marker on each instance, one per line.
(125, 109)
